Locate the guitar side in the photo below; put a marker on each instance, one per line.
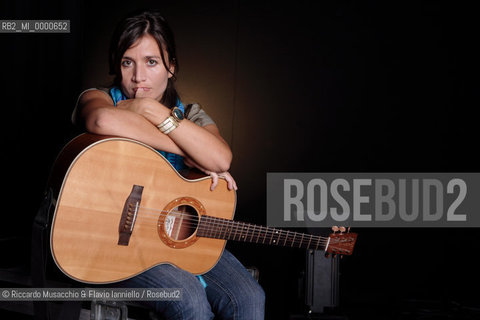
(99, 175)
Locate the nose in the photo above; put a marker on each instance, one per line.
(139, 73)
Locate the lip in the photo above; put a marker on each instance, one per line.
(142, 88)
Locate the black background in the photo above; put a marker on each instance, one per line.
(303, 86)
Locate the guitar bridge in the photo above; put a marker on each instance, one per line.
(129, 215)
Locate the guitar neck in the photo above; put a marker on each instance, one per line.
(218, 228)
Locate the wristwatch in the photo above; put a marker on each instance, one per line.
(172, 122)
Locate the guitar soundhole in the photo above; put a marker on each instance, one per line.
(177, 229)
(181, 222)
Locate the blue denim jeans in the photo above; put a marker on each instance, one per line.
(231, 292)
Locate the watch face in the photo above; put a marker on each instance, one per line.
(177, 113)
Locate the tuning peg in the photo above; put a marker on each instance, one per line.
(348, 230)
(327, 254)
(334, 229)
(342, 230)
(334, 255)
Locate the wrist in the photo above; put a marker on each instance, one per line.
(153, 110)
(172, 121)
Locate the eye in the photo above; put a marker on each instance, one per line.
(152, 62)
(126, 63)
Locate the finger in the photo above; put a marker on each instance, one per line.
(214, 180)
(140, 93)
(229, 181)
(231, 184)
(234, 184)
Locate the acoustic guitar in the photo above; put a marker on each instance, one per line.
(121, 208)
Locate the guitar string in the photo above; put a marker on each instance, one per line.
(275, 235)
(279, 234)
(258, 231)
(218, 222)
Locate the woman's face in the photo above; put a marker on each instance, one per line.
(143, 72)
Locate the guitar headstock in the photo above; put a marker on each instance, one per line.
(341, 242)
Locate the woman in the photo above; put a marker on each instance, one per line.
(144, 105)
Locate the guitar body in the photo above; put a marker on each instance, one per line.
(93, 177)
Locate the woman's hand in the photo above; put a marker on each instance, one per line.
(149, 108)
(231, 184)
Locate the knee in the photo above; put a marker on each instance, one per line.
(250, 302)
(193, 304)
(255, 298)
(187, 309)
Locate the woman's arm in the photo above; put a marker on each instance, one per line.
(137, 119)
(96, 113)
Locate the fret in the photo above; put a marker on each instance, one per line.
(213, 232)
(271, 238)
(244, 232)
(228, 231)
(301, 241)
(206, 227)
(218, 228)
(264, 235)
(240, 231)
(259, 233)
(318, 242)
(214, 228)
(202, 226)
(308, 245)
(223, 230)
(253, 232)
(236, 230)
(279, 232)
(293, 241)
(231, 232)
(247, 232)
(209, 226)
(286, 237)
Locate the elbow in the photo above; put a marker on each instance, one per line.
(100, 122)
(218, 163)
(222, 167)
(224, 162)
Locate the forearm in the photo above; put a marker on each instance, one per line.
(205, 147)
(124, 123)
(138, 119)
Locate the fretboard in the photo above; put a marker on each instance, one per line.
(211, 227)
